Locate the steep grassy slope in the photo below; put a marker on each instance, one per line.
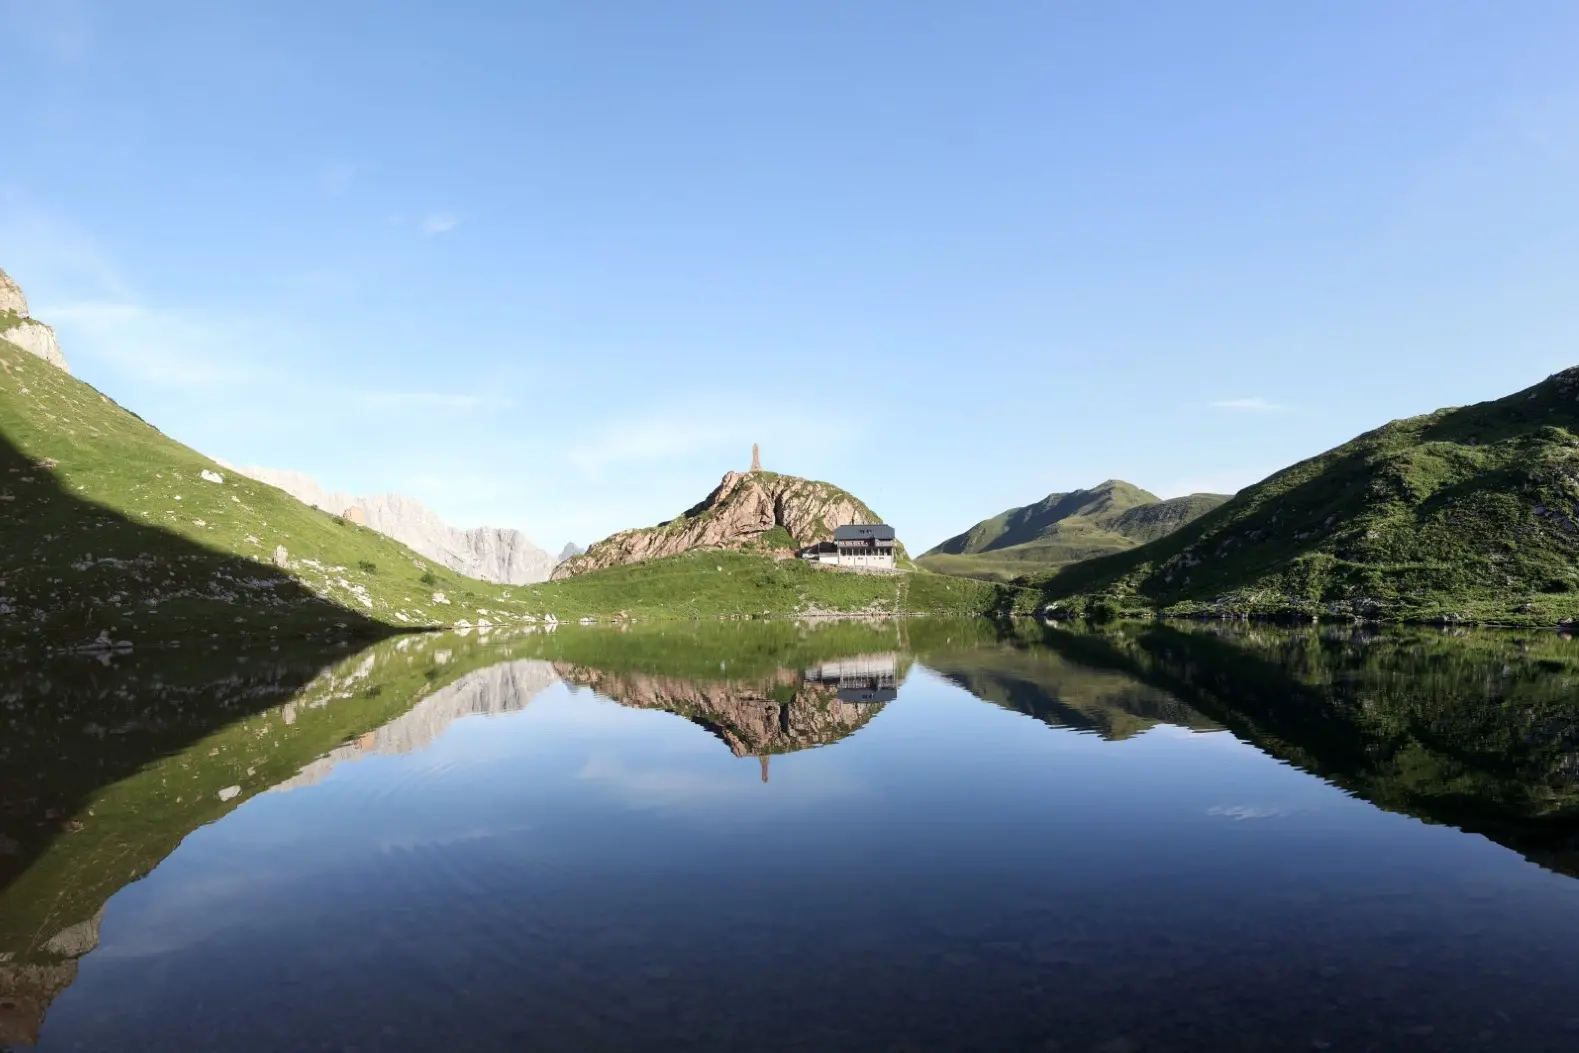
(1461, 514)
(1065, 528)
(111, 527)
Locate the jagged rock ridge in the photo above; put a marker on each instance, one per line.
(23, 330)
(740, 513)
(497, 554)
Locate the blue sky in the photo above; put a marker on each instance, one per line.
(557, 265)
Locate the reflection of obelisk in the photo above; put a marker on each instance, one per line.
(756, 459)
(764, 760)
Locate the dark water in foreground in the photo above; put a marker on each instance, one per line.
(857, 837)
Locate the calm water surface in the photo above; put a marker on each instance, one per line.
(855, 837)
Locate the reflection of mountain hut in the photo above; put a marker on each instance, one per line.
(863, 678)
(860, 546)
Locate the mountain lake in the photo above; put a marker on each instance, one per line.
(865, 836)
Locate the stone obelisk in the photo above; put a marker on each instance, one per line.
(756, 458)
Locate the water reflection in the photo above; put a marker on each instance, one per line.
(108, 769)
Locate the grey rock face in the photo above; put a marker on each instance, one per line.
(11, 298)
(570, 551)
(496, 554)
(29, 334)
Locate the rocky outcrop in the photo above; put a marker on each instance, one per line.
(778, 715)
(740, 513)
(26, 332)
(12, 299)
(570, 549)
(496, 554)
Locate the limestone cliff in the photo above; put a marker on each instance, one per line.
(780, 715)
(740, 513)
(496, 554)
(21, 329)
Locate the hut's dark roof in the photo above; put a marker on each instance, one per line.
(864, 532)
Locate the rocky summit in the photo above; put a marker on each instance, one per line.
(497, 554)
(20, 328)
(749, 510)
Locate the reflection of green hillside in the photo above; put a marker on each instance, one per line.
(111, 768)
(715, 650)
(1479, 730)
(1014, 670)
(107, 768)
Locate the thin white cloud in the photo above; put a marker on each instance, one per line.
(336, 177)
(654, 439)
(435, 223)
(686, 431)
(1254, 404)
(1224, 482)
(431, 400)
(163, 347)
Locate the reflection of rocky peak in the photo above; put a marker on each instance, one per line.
(496, 554)
(28, 988)
(743, 509)
(777, 715)
(26, 332)
(502, 688)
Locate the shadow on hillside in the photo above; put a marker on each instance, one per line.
(1478, 742)
(71, 569)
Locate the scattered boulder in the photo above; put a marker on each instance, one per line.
(281, 557)
(211, 477)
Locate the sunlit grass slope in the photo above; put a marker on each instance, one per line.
(1462, 514)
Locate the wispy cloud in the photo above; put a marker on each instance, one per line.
(163, 347)
(1224, 482)
(61, 30)
(435, 223)
(654, 439)
(431, 400)
(1254, 404)
(336, 177)
(684, 431)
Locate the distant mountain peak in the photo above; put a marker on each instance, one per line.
(497, 554)
(1061, 528)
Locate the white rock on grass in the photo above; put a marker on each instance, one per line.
(211, 477)
(439, 597)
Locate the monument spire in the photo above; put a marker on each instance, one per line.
(756, 458)
(764, 759)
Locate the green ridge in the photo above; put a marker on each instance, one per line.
(1065, 528)
(1467, 514)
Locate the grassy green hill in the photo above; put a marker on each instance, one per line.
(112, 527)
(1065, 528)
(1462, 514)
